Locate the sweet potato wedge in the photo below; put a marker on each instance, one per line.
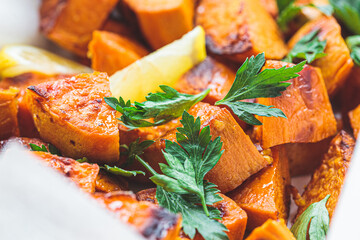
(162, 21)
(238, 29)
(265, 195)
(106, 183)
(354, 116)
(329, 176)
(72, 115)
(271, 230)
(271, 7)
(240, 160)
(305, 103)
(8, 113)
(233, 217)
(24, 141)
(25, 120)
(83, 174)
(150, 220)
(337, 64)
(71, 23)
(110, 52)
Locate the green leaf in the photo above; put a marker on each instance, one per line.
(353, 43)
(348, 12)
(122, 172)
(282, 4)
(194, 218)
(318, 217)
(134, 149)
(162, 107)
(309, 48)
(251, 83)
(52, 149)
(82, 160)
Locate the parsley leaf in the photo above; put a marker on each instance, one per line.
(122, 172)
(288, 10)
(348, 12)
(193, 216)
(318, 217)
(196, 154)
(353, 43)
(52, 149)
(251, 83)
(134, 149)
(162, 107)
(309, 48)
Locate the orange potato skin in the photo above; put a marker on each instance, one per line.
(271, 7)
(110, 52)
(162, 22)
(105, 183)
(150, 220)
(71, 23)
(337, 64)
(233, 217)
(83, 174)
(238, 29)
(25, 120)
(265, 195)
(240, 160)
(354, 116)
(305, 103)
(72, 115)
(8, 113)
(271, 230)
(329, 176)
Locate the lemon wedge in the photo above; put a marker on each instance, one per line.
(162, 67)
(18, 59)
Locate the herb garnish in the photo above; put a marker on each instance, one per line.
(181, 187)
(348, 12)
(353, 44)
(162, 107)
(52, 149)
(251, 83)
(308, 47)
(318, 217)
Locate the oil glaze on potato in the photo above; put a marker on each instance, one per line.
(8, 113)
(72, 115)
(271, 230)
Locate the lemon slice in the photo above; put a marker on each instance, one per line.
(18, 59)
(162, 67)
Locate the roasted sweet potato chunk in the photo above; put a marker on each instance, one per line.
(329, 177)
(355, 120)
(233, 217)
(72, 115)
(71, 23)
(106, 183)
(110, 52)
(240, 160)
(271, 230)
(8, 113)
(238, 29)
(265, 195)
(305, 103)
(83, 174)
(271, 7)
(337, 63)
(24, 141)
(162, 21)
(150, 220)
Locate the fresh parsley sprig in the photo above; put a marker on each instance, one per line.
(348, 12)
(181, 187)
(251, 83)
(52, 149)
(353, 44)
(162, 107)
(308, 47)
(314, 220)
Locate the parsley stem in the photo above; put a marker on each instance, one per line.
(203, 203)
(146, 165)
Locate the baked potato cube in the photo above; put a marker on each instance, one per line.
(271, 230)
(233, 217)
(110, 52)
(304, 158)
(71, 23)
(238, 29)
(305, 103)
(83, 174)
(265, 195)
(72, 115)
(8, 113)
(354, 116)
(162, 21)
(106, 183)
(152, 221)
(240, 160)
(349, 94)
(337, 64)
(329, 177)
